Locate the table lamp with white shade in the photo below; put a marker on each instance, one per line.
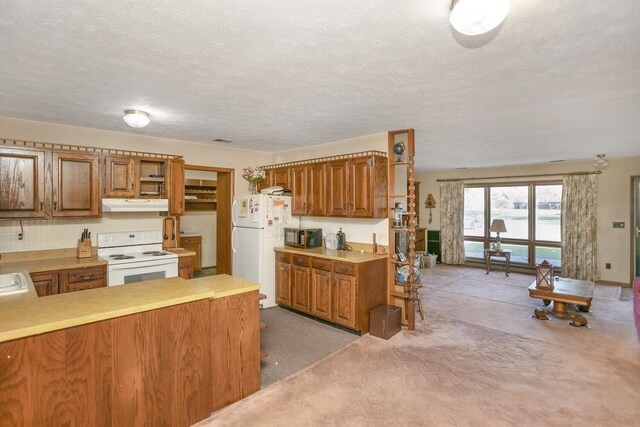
(497, 226)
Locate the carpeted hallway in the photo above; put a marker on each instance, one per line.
(479, 358)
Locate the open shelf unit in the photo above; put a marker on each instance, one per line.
(153, 174)
(405, 292)
(206, 192)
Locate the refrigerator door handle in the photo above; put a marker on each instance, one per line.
(233, 240)
(233, 213)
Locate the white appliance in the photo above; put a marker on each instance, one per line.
(135, 256)
(135, 205)
(258, 227)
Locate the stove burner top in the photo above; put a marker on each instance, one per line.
(121, 256)
(155, 253)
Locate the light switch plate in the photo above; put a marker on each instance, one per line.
(618, 224)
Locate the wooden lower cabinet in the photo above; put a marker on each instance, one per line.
(169, 366)
(193, 243)
(45, 283)
(336, 291)
(283, 283)
(301, 288)
(321, 294)
(345, 300)
(185, 267)
(80, 279)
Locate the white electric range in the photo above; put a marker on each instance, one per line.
(135, 256)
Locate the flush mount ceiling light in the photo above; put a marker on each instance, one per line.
(136, 118)
(600, 162)
(475, 17)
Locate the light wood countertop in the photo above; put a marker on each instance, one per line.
(346, 256)
(26, 316)
(181, 252)
(47, 264)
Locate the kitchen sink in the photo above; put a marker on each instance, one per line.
(12, 283)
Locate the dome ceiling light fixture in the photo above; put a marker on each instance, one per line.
(475, 17)
(600, 162)
(136, 118)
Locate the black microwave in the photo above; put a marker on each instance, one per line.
(303, 237)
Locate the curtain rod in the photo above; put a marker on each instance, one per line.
(521, 176)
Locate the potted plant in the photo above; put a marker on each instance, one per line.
(253, 175)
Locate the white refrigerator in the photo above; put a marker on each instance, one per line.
(258, 227)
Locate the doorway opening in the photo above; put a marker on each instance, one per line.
(205, 227)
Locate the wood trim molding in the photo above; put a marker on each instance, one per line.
(209, 168)
(83, 149)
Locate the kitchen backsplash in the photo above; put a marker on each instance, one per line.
(64, 233)
(356, 230)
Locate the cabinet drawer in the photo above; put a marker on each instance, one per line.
(344, 268)
(194, 240)
(283, 257)
(89, 284)
(321, 264)
(84, 274)
(300, 260)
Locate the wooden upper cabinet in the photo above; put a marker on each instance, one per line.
(119, 176)
(76, 184)
(176, 187)
(280, 177)
(22, 183)
(299, 190)
(317, 189)
(360, 185)
(337, 191)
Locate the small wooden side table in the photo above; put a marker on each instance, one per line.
(500, 253)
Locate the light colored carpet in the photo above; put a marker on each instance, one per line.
(479, 358)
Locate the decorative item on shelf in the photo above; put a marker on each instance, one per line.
(84, 244)
(399, 148)
(430, 203)
(600, 162)
(497, 226)
(544, 276)
(342, 241)
(397, 215)
(254, 176)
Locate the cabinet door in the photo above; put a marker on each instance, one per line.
(76, 184)
(280, 177)
(344, 300)
(300, 288)
(45, 283)
(176, 187)
(317, 192)
(193, 244)
(283, 283)
(337, 192)
(22, 181)
(119, 176)
(360, 204)
(321, 295)
(299, 190)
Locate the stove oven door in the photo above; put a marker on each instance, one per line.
(123, 274)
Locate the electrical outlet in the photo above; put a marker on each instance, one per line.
(19, 236)
(618, 224)
(608, 266)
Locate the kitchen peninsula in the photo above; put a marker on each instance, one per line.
(167, 351)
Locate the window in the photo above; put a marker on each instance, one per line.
(531, 212)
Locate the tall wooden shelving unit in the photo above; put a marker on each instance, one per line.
(405, 293)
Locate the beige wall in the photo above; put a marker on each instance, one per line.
(614, 204)
(64, 233)
(356, 230)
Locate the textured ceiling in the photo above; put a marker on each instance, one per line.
(558, 80)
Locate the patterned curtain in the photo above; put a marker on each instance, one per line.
(452, 222)
(579, 243)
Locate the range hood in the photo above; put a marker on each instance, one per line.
(135, 205)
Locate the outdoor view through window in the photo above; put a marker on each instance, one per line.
(531, 213)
